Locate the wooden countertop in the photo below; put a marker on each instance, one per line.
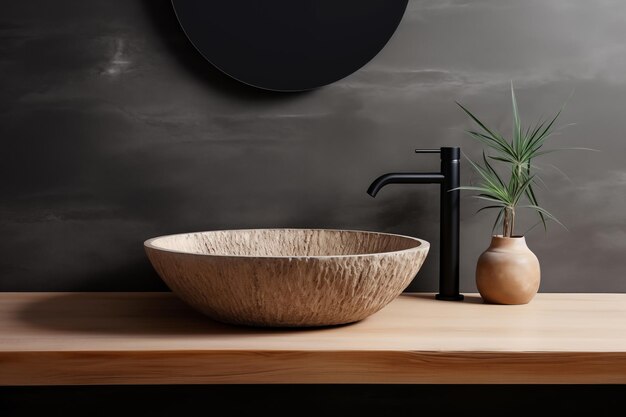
(153, 338)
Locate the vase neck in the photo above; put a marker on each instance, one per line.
(508, 243)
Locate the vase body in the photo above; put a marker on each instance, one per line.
(508, 272)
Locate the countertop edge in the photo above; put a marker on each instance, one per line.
(309, 367)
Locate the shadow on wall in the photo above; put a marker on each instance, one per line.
(169, 32)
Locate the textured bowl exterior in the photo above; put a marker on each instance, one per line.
(287, 277)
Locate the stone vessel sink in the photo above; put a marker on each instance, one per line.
(287, 277)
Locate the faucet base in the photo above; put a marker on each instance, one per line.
(458, 297)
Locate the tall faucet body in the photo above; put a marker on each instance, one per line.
(449, 208)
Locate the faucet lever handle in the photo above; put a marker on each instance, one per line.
(428, 151)
(447, 153)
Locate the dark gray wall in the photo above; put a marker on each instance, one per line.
(115, 130)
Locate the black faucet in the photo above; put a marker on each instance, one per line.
(449, 181)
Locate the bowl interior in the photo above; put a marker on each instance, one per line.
(285, 243)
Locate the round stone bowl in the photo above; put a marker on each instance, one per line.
(287, 277)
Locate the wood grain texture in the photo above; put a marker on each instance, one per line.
(287, 277)
(296, 367)
(153, 338)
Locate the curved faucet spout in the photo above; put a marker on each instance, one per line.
(404, 178)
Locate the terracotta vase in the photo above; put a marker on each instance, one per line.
(508, 272)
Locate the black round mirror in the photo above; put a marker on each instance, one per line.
(289, 45)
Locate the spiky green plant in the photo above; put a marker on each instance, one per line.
(507, 194)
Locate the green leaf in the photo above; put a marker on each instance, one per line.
(491, 170)
(530, 193)
(517, 124)
(530, 136)
(491, 137)
(502, 159)
(487, 208)
(539, 140)
(478, 122)
(490, 199)
(499, 144)
(521, 189)
(564, 149)
(545, 213)
(498, 220)
(493, 185)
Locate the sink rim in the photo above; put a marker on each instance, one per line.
(421, 244)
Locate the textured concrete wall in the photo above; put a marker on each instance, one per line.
(115, 130)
